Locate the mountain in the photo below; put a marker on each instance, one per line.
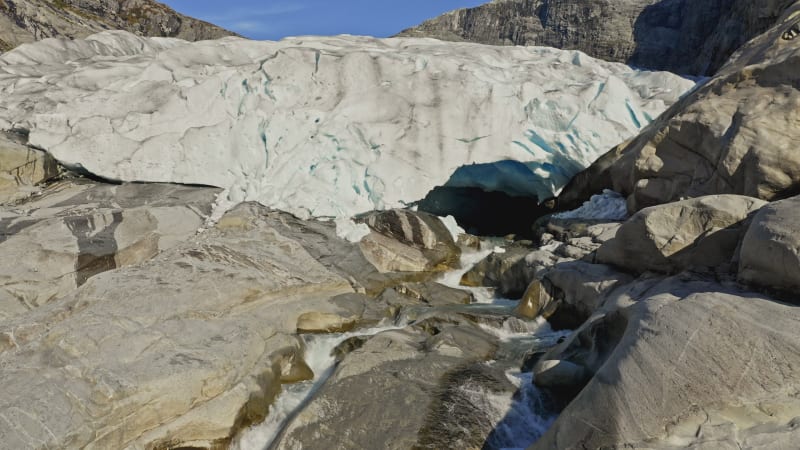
(681, 36)
(23, 21)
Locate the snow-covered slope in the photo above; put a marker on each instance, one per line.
(322, 126)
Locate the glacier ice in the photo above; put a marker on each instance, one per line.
(323, 126)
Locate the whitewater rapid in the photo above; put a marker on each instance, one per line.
(521, 419)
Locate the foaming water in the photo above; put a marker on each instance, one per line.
(469, 259)
(520, 418)
(320, 358)
(525, 417)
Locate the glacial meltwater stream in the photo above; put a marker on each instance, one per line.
(520, 419)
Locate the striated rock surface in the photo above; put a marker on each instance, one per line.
(699, 232)
(692, 37)
(405, 241)
(24, 21)
(733, 135)
(679, 362)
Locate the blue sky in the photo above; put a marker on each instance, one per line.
(274, 19)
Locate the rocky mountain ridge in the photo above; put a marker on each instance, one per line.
(23, 21)
(688, 37)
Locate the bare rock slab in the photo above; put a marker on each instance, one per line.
(74, 230)
(185, 349)
(668, 238)
(770, 250)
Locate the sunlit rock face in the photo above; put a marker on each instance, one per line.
(24, 21)
(322, 126)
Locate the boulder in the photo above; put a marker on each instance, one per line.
(22, 168)
(734, 134)
(538, 300)
(398, 299)
(319, 322)
(578, 289)
(770, 250)
(699, 232)
(183, 350)
(509, 272)
(77, 229)
(320, 240)
(394, 390)
(407, 241)
(551, 373)
(676, 361)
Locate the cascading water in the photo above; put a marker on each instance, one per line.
(320, 358)
(520, 417)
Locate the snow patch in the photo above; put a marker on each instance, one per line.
(452, 226)
(351, 231)
(606, 206)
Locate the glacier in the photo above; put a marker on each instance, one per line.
(325, 126)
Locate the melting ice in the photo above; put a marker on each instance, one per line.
(324, 126)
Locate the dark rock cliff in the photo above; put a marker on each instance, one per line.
(684, 36)
(24, 21)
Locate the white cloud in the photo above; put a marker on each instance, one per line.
(244, 15)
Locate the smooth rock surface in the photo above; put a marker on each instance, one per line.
(323, 126)
(770, 250)
(579, 288)
(75, 230)
(183, 350)
(672, 357)
(733, 135)
(699, 232)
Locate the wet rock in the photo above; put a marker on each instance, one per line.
(538, 300)
(508, 272)
(391, 390)
(406, 241)
(318, 322)
(700, 232)
(469, 241)
(556, 374)
(75, 230)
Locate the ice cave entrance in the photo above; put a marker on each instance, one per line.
(498, 198)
